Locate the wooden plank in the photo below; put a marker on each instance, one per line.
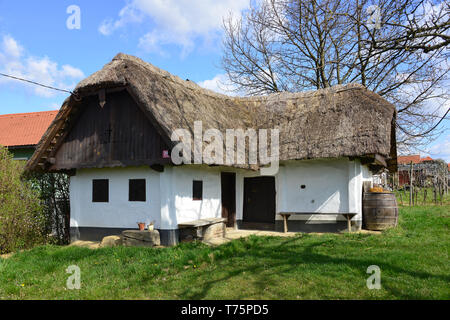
(228, 196)
(119, 134)
(201, 222)
(380, 160)
(285, 219)
(49, 135)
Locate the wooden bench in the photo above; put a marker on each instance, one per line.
(205, 228)
(286, 216)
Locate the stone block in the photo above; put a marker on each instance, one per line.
(139, 238)
(213, 231)
(111, 241)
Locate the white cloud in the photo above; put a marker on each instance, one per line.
(71, 72)
(129, 14)
(220, 83)
(11, 48)
(16, 62)
(441, 149)
(177, 22)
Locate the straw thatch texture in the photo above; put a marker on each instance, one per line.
(342, 121)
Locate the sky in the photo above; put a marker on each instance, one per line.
(42, 41)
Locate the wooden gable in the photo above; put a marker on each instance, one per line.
(117, 134)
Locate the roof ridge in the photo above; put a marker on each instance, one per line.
(27, 113)
(169, 76)
(194, 86)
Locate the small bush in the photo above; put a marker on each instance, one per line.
(53, 190)
(22, 223)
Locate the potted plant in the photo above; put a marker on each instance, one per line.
(151, 226)
(141, 225)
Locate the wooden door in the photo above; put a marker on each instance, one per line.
(228, 184)
(259, 200)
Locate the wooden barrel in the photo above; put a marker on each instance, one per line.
(380, 210)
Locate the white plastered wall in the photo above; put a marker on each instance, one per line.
(168, 199)
(176, 190)
(331, 186)
(118, 212)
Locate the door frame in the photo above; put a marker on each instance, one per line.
(228, 185)
(257, 224)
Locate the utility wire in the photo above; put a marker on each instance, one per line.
(36, 83)
(428, 131)
(68, 91)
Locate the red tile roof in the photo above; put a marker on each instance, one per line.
(24, 129)
(408, 159)
(415, 158)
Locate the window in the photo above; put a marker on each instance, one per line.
(100, 190)
(136, 190)
(197, 190)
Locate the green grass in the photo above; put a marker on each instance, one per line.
(413, 259)
(425, 197)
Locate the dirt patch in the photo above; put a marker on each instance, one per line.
(369, 231)
(6, 255)
(85, 244)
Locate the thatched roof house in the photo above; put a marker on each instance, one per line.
(124, 116)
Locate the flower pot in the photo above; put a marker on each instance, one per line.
(141, 226)
(150, 227)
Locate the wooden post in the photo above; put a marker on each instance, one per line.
(285, 219)
(446, 183)
(434, 194)
(424, 196)
(349, 217)
(411, 184)
(396, 179)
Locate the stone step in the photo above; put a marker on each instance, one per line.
(139, 238)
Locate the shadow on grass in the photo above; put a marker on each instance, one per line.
(290, 257)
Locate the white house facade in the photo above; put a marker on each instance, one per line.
(317, 190)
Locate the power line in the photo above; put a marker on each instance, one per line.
(428, 131)
(36, 83)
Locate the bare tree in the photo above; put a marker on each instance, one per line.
(397, 48)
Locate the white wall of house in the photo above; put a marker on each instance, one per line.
(325, 182)
(168, 200)
(331, 186)
(176, 191)
(118, 212)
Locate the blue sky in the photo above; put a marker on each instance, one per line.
(180, 36)
(39, 29)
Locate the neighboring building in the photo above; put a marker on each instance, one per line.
(21, 132)
(423, 169)
(113, 136)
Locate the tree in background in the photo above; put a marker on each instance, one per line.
(22, 221)
(53, 189)
(397, 48)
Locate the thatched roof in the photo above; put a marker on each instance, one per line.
(341, 121)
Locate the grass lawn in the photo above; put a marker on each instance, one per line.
(413, 259)
(425, 196)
